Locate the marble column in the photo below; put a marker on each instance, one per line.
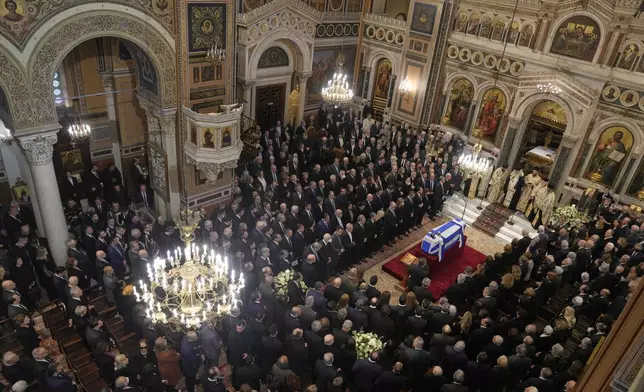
(563, 157)
(108, 86)
(168, 124)
(365, 86)
(16, 167)
(247, 95)
(508, 142)
(299, 116)
(392, 87)
(470, 119)
(39, 151)
(544, 26)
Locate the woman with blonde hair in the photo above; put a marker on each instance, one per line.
(463, 326)
(569, 316)
(516, 272)
(122, 367)
(412, 302)
(343, 302)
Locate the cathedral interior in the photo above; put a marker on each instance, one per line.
(179, 92)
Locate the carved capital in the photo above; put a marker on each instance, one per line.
(168, 124)
(108, 82)
(514, 122)
(569, 140)
(212, 170)
(39, 149)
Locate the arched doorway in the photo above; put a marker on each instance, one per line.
(96, 84)
(542, 136)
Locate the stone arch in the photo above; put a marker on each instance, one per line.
(58, 38)
(302, 56)
(603, 30)
(523, 109)
(13, 82)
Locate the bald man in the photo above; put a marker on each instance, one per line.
(334, 291)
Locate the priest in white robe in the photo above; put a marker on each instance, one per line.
(515, 176)
(496, 184)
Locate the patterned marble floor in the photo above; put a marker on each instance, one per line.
(476, 239)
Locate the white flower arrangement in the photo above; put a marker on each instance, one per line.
(569, 216)
(366, 343)
(281, 282)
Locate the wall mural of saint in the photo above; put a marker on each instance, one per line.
(636, 188)
(609, 155)
(460, 100)
(628, 55)
(12, 10)
(577, 37)
(383, 77)
(493, 105)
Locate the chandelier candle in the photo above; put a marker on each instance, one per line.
(192, 287)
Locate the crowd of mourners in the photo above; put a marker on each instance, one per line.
(317, 199)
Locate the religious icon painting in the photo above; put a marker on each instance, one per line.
(208, 138)
(226, 137)
(577, 37)
(609, 155)
(628, 56)
(611, 93)
(461, 23)
(383, 77)
(526, 35)
(629, 98)
(207, 26)
(473, 24)
(491, 115)
(458, 106)
(12, 11)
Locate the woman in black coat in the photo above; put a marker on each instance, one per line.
(74, 270)
(45, 268)
(22, 275)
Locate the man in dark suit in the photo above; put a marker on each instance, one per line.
(325, 371)
(144, 197)
(391, 380)
(69, 189)
(457, 385)
(438, 196)
(417, 272)
(543, 383)
(454, 358)
(519, 364)
(439, 341)
(366, 371)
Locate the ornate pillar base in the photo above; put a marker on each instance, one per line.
(39, 150)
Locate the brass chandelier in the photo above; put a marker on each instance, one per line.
(191, 286)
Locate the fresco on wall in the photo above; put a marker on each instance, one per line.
(473, 24)
(147, 72)
(19, 19)
(609, 155)
(423, 17)
(526, 35)
(578, 37)
(461, 23)
(383, 77)
(207, 26)
(273, 57)
(628, 56)
(460, 100)
(493, 105)
(325, 63)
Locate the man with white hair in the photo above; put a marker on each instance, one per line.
(540, 241)
(542, 383)
(495, 349)
(455, 358)
(343, 335)
(191, 358)
(457, 383)
(325, 371)
(422, 292)
(457, 293)
(15, 370)
(20, 386)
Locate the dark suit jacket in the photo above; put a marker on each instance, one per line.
(365, 373)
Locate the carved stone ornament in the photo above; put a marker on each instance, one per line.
(568, 140)
(50, 53)
(168, 124)
(212, 170)
(39, 150)
(13, 81)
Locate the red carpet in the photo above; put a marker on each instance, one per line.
(442, 274)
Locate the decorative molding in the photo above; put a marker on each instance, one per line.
(56, 44)
(14, 84)
(274, 6)
(212, 170)
(39, 12)
(381, 20)
(39, 149)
